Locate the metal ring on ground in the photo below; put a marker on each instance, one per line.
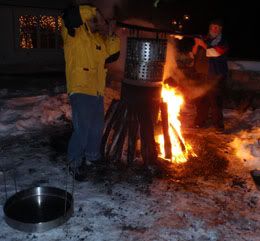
(38, 209)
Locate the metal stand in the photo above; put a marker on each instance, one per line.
(36, 209)
(4, 168)
(66, 184)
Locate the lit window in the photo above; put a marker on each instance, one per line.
(41, 31)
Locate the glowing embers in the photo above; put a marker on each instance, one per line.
(172, 144)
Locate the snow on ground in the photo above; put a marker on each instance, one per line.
(24, 114)
(247, 145)
(244, 65)
(209, 198)
(27, 113)
(246, 142)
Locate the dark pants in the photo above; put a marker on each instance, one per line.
(88, 123)
(213, 100)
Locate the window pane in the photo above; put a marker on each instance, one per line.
(47, 23)
(28, 31)
(47, 28)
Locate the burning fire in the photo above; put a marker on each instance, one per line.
(180, 150)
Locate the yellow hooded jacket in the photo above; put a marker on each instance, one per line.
(85, 56)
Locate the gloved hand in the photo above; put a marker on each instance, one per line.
(72, 19)
(200, 42)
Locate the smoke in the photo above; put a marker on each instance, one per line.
(170, 65)
(191, 88)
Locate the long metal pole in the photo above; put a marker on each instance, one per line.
(155, 30)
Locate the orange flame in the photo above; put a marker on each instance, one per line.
(179, 149)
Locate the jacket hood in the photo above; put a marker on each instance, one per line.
(87, 12)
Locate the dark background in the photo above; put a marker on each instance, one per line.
(241, 20)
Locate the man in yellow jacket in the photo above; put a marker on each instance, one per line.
(88, 46)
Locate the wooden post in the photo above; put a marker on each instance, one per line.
(165, 127)
(148, 146)
(132, 132)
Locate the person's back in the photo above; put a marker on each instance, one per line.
(86, 50)
(85, 55)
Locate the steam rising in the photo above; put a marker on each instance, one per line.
(190, 88)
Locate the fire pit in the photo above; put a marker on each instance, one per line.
(143, 97)
(136, 112)
(38, 209)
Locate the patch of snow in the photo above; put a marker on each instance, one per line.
(25, 101)
(30, 113)
(5, 128)
(247, 148)
(244, 65)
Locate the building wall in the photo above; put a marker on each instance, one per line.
(7, 35)
(12, 57)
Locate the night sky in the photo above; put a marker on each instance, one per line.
(240, 18)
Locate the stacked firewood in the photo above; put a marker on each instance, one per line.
(126, 122)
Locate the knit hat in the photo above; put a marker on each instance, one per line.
(218, 22)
